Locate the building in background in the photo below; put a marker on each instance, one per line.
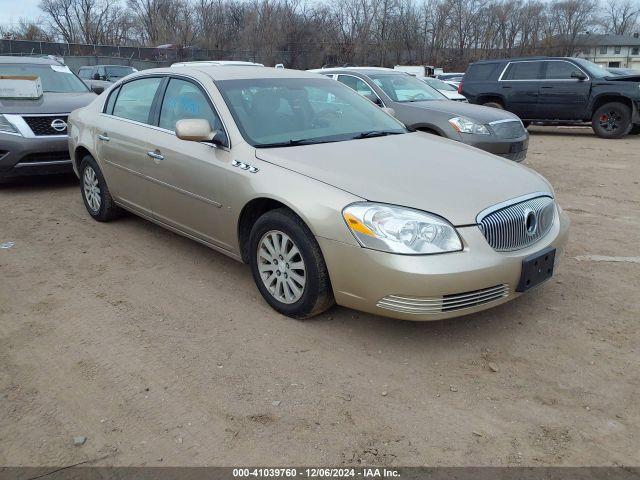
(611, 51)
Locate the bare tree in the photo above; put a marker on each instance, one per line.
(621, 16)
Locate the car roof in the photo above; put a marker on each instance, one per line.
(361, 70)
(216, 63)
(6, 59)
(519, 59)
(229, 72)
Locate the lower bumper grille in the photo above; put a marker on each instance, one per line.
(446, 303)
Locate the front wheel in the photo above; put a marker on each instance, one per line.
(288, 266)
(612, 120)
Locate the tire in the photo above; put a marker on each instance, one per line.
(635, 130)
(95, 193)
(278, 232)
(612, 120)
(497, 105)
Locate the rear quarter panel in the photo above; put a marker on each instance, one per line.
(81, 130)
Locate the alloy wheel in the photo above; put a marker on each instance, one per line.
(91, 189)
(610, 121)
(281, 267)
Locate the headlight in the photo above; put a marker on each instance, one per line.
(464, 125)
(400, 230)
(6, 126)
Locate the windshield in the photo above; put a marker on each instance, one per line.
(439, 84)
(291, 111)
(54, 78)
(405, 88)
(119, 71)
(592, 69)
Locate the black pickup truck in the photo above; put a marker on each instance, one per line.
(557, 91)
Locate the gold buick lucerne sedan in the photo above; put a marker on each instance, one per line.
(329, 198)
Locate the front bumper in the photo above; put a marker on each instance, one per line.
(21, 156)
(510, 148)
(362, 278)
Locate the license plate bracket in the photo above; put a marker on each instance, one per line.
(536, 269)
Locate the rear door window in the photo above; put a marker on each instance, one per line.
(135, 99)
(523, 71)
(481, 72)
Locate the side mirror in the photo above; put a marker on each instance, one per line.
(96, 76)
(197, 130)
(389, 111)
(97, 89)
(579, 75)
(374, 98)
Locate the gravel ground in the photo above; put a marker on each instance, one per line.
(161, 352)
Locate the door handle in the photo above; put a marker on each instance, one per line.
(103, 137)
(548, 86)
(155, 155)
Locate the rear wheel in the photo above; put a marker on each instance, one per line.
(288, 266)
(497, 105)
(95, 193)
(612, 120)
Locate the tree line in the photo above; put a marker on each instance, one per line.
(310, 33)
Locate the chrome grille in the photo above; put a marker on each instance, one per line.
(446, 303)
(511, 227)
(508, 129)
(41, 125)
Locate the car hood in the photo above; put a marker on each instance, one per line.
(48, 103)
(624, 78)
(415, 170)
(477, 113)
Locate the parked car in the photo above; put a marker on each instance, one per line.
(444, 88)
(421, 107)
(33, 131)
(557, 91)
(326, 196)
(453, 78)
(103, 76)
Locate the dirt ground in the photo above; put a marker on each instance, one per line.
(162, 352)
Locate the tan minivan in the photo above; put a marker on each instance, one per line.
(326, 196)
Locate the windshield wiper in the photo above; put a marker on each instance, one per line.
(375, 133)
(292, 143)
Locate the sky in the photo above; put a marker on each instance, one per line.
(13, 10)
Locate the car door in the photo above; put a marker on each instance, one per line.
(564, 91)
(123, 133)
(520, 87)
(189, 178)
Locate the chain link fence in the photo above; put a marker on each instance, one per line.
(77, 55)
